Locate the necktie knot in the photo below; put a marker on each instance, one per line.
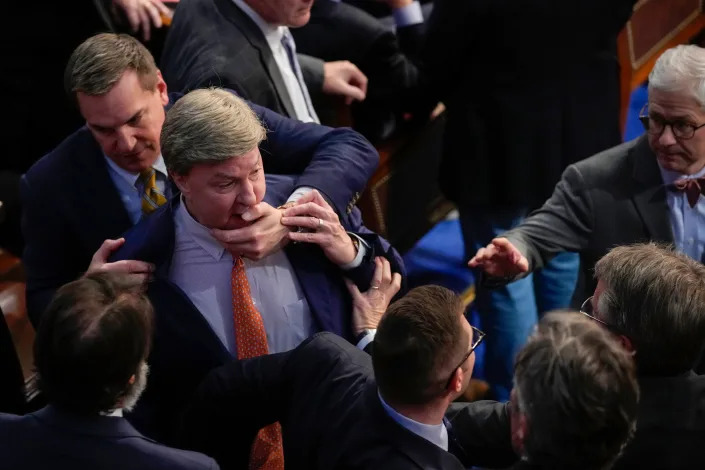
(692, 187)
(152, 198)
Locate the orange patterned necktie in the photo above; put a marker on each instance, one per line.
(267, 450)
(152, 199)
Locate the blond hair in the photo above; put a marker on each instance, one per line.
(208, 126)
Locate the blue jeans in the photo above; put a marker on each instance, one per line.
(509, 314)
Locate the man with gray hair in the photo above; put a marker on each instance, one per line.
(646, 189)
(653, 300)
(574, 402)
(211, 305)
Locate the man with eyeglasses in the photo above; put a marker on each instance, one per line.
(653, 300)
(646, 189)
(341, 408)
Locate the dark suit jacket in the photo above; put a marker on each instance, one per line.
(71, 205)
(214, 43)
(185, 347)
(530, 87)
(671, 424)
(12, 399)
(53, 439)
(325, 396)
(613, 198)
(338, 31)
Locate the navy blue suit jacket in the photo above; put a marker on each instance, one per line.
(71, 204)
(185, 347)
(54, 439)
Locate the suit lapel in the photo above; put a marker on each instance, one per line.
(96, 192)
(256, 38)
(311, 270)
(649, 193)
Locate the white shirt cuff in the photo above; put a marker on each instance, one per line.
(408, 15)
(362, 248)
(298, 192)
(367, 339)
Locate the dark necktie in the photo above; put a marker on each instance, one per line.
(692, 187)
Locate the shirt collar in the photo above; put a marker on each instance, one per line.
(434, 433)
(132, 178)
(113, 414)
(273, 33)
(200, 234)
(670, 177)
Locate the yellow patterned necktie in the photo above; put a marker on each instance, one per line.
(152, 199)
(267, 452)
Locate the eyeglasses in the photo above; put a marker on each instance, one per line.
(477, 337)
(655, 125)
(588, 310)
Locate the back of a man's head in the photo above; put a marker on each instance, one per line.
(656, 298)
(94, 337)
(419, 342)
(99, 62)
(575, 395)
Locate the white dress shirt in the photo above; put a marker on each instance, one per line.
(688, 223)
(274, 35)
(434, 433)
(131, 188)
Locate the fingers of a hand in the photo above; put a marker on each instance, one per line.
(386, 271)
(129, 266)
(396, 284)
(352, 91)
(238, 235)
(144, 23)
(107, 248)
(320, 200)
(523, 264)
(153, 12)
(163, 9)
(255, 212)
(305, 221)
(307, 197)
(133, 17)
(312, 209)
(352, 288)
(379, 272)
(140, 278)
(359, 78)
(309, 237)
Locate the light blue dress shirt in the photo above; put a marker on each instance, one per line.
(130, 188)
(434, 433)
(688, 223)
(202, 268)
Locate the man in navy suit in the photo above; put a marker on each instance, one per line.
(89, 188)
(210, 146)
(90, 354)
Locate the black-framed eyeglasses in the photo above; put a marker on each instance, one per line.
(477, 337)
(655, 125)
(588, 310)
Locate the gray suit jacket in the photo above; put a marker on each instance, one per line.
(613, 198)
(214, 43)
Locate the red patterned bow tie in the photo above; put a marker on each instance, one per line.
(692, 187)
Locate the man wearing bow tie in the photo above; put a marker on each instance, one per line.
(646, 189)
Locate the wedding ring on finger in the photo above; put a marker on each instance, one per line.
(320, 223)
(374, 287)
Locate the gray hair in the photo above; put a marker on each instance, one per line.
(655, 297)
(208, 126)
(577, 388)
(98, 63)
(680, 69)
